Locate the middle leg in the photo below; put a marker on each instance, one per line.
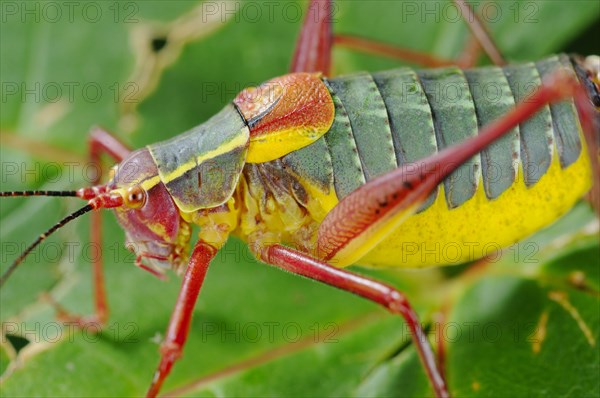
(380, 293)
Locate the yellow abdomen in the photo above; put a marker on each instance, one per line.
(440, 236)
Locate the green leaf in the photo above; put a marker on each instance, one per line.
(257, 331)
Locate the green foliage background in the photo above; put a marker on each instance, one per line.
(528, 325)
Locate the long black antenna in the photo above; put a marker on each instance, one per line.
(38, 193)
(43, 236)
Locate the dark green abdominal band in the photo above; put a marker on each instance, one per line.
(455, 121)
(493, 98)
(410, 117)
(564, 114)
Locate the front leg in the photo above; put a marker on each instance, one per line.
(100, 142)
(179, 325)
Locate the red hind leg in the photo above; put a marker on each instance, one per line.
(381, 202)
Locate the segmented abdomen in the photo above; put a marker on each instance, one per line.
(390, 118)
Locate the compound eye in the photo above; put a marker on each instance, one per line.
(136, 197)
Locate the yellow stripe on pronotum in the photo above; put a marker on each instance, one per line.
(238, 141)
